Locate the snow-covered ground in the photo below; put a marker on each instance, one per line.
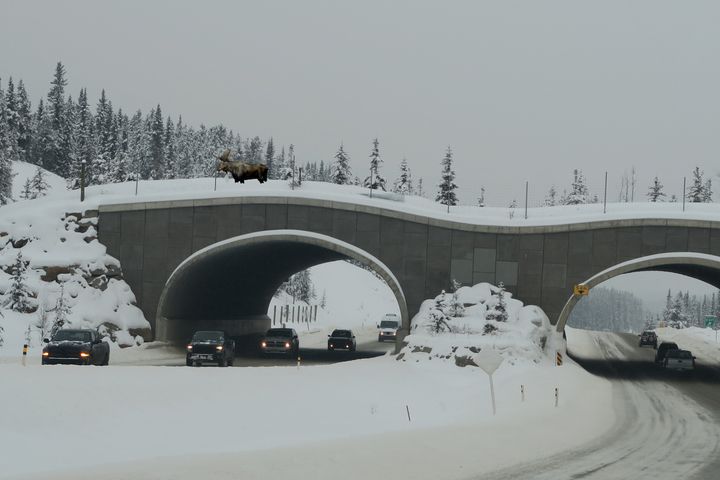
(113, 417)
(703, 342)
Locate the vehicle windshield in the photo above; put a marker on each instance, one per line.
(389, 324)
(72, 336)
(207, 337)
(279, 332)
(342, 333)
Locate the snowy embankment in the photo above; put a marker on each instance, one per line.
(62, 257)
(704, 343)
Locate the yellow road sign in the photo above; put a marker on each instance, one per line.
(581, 289)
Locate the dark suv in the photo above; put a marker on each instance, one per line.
(662, 350)
(75, 346)
(648, 338)
(210, 347)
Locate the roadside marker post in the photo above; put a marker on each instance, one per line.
(558, 359)
(407, 409)
(489, 361)
(24, 356)
(298, 363)
(522, 393)
(557, 395)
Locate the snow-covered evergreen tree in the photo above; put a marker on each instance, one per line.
(499, 312)
(62, 311)
(27, 193)
(403, 185)
(446, 193)
(579, 191)
(291, 172)
(270, 158)
(481, 198)
(551, 197)
(340, 172)
(696, 193)
(439, 320)
(655, 192)
(39, 185)
(420, 189)
(707, 192)
(18, 297)
(456, 307)
(25, 123)
(511, 209)
(375, 180)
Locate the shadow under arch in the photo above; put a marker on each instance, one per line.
(700, 266)
(229, 285)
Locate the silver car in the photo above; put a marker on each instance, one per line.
(679, 360)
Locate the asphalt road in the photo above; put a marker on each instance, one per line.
(668, 424)
(311, 355)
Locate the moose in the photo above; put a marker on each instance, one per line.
(242, 171)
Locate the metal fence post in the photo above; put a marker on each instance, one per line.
(605, 195)
(684, 183)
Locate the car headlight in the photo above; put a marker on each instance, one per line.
(46, 354)
(189, 347)
(219, 348)
(331, 345)
(84, 354)
(263, 344)
(287, 344)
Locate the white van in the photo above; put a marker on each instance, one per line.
(388, 327)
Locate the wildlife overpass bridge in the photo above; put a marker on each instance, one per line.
(216, 263)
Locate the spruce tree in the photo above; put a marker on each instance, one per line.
(499, 310)
(655, 191)
(19, 295)
(696, 193)
(11, 125)
(269, 158)
(403, 185)
(169, 167)
(27, 193)
(446, 194)
(579, 191)
(84, 143)
(291, 172)
(52, 153)
(62, 311)
(707, 192)
(551, 198)
(25, 133)
(375, 180)
(340, 173)
(157, 150)
(38, 184)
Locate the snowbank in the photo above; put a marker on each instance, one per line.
(453, 327)
(23, 171)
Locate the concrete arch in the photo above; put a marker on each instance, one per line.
(228, 285)
(696, 265)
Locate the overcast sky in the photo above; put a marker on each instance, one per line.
(521, 90)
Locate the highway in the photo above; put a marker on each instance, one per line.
(668, 423)
(313, 351)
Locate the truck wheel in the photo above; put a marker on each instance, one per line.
(188, 362)
(107, 359)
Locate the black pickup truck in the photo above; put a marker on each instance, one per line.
(76, 346)
(210, 347)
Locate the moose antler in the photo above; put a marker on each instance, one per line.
(225, 157)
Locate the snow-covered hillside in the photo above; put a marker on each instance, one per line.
(23, 171)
